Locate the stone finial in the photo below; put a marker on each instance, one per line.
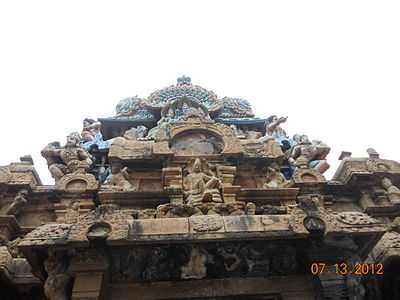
(344, 154)
(184, 80)
(372, 153)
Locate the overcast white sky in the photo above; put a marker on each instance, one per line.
(332, 67)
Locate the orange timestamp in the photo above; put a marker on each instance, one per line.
(343, 268)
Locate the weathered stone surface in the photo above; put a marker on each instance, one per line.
(184, 195)
(159, 227)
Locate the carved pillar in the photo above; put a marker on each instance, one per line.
(227, 175)
(89, 270)
(57, 284)
(173, 182)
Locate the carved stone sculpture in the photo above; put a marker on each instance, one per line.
(231, 256)
(201, 187)
(119, 180)
(90, 129)
(5, 174)
(235, 108)
(238, 132)
(92, 136)
(136, 133)
(273, 128)
(134, 108)
(20, 201)
(314, 153)
(71, 158)
(275, 178)
(56, 285)
(196, 267)
(171, 210)
(183, 109)
(392, 191)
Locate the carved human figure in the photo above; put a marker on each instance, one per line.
(201, 187)
(57, 282)
(275, 179)
(119, 179)
(273, 128)
(20, 201)
(314, 153)
(393, 192)
(90, 129)
(71, 158)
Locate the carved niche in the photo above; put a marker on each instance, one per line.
(190, 143)
(74, 183)
(198, 138)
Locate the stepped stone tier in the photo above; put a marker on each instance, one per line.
(185, 195)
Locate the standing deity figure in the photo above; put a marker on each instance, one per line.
(71, 158)
(201, 187)
(273, 128)
(91, 128)
(393, 192)
(314, 153)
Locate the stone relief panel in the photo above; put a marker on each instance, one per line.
(216, 260)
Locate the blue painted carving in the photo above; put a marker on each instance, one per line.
(97, 142)
(133, 108)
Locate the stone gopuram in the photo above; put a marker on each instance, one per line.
(185, 195)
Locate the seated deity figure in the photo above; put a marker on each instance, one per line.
(273, 128)
(275, 179)
(71, 158)
(393, 192)
(314, 153)
(201, 187)
(20, 201)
